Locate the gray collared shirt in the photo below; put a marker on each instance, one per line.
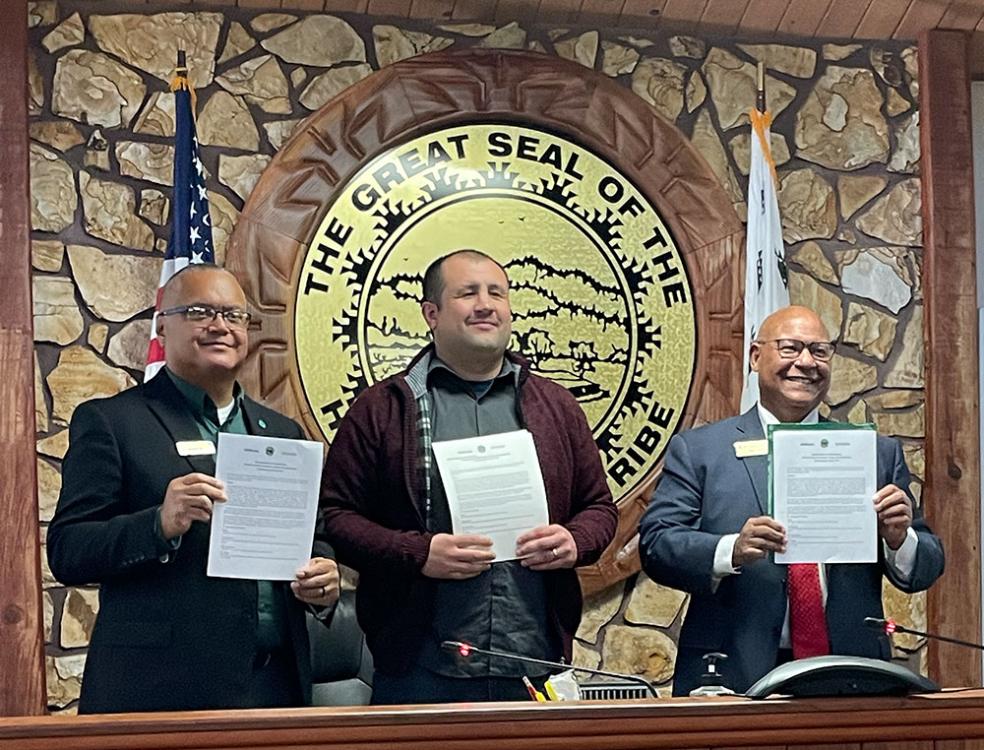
(504, 608)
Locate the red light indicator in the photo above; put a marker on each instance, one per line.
(889, 626)
(464, 649)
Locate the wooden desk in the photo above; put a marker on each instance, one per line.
(948, 721)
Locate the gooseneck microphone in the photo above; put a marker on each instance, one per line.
(466, 650)
(889, 626)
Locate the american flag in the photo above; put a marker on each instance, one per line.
(191, 227)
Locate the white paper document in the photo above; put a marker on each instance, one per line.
(494, 487)
(823, 485)
(265, 529)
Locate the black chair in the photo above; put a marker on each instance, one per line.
(341, 666)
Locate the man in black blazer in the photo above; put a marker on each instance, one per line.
(133, 517)
(706, 532)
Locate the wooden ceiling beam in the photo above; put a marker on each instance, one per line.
(605, 12)
(684, 14)
(761, 16)
(919, 17)
(396, 8)
(802, 17)
(881, 19)
(557, 11)
(723, 16)
(473, 10)
(431, 10)
(962, 15)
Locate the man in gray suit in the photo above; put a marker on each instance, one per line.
(706, 532)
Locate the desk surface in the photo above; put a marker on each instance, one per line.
(949, 720)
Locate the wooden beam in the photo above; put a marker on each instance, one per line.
(881, 19)
(762, 16)
(841, 19)
(802, 17)
(952, 495)
(919, 17)
(723, 16)
(22, 690)
(962, 15)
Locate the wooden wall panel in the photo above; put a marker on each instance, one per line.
(22, 688)
(951, 497)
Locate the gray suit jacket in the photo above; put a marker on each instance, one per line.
(706, 492)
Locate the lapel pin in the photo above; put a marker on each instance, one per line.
(261, 423)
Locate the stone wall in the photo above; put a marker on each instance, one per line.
(845, 142)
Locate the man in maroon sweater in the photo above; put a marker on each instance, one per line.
(386, 514)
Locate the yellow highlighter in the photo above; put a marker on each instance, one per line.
(551, 693)
(534, 693)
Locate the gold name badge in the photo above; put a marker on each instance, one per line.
(198, 447)
(748, 448)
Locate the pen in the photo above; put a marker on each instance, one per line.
(534, 693)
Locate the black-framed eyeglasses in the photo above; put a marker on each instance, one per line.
(233, 316)
(821, 351)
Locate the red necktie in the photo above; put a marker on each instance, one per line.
(807, 621)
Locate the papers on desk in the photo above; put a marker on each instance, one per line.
(494, 487)
(265, 529)
(822, 480)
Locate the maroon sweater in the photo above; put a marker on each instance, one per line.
(372, 502)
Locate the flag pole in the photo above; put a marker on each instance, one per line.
(760, 86)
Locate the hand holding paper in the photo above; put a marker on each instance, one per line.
(894, 515)
(317, 582)
(758, 537)
(188, 499)
(547, 548)
(458, 556)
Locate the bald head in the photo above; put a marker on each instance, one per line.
(792, 381)
(173, 293)
(794, 314)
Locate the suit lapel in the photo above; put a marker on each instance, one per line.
(255, 424)
(168, 405)
(750, 428)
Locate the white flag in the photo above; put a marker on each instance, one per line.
(765, 258)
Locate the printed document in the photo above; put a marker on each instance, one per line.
(494, 487)
(822, 488)
(265, 529)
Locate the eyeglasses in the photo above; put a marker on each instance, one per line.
(233, 316)
(821, 351)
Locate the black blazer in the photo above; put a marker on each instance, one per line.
(705, 492)
(167, 637)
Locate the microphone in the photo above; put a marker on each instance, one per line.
(466, 650)
(889, 626)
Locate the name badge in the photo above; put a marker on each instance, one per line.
(748, 448)
(200, 447)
